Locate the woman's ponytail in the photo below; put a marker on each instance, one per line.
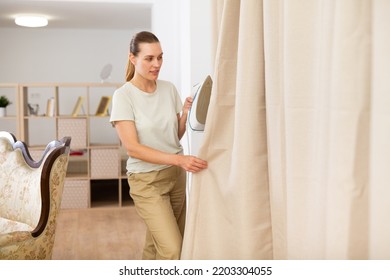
(129, 71)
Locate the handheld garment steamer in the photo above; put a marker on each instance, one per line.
(200, 104)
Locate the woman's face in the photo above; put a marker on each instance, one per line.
(148, 61)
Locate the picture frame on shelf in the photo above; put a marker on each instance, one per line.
(102, 109)
(78, 106)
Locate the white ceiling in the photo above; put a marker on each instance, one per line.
(80, 14)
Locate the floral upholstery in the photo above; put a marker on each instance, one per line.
(21, 202)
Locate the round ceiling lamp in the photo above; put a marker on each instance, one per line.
(31, 21)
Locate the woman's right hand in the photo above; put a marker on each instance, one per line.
(191, 163)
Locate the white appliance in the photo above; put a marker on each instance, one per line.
(200, 104)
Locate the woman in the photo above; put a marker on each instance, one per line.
(150, 120)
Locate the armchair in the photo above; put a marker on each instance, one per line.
(30, 197)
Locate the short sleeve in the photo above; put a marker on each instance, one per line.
(122, 108)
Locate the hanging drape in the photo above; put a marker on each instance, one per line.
(297, 135)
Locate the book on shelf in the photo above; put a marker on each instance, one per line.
(102, 109)
(78, 106)
(50, 109)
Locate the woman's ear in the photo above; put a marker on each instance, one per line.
(132, 58)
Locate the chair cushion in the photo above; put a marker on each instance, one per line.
(7, 226)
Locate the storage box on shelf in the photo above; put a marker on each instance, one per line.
(76, 194)
(105, 163)
(76, 128)
(79, 110)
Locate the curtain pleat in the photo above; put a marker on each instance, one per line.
(379, 194)
(318, 72)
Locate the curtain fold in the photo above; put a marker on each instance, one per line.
(379, 194)
(297, 134)
(318, 58)
(229, 208)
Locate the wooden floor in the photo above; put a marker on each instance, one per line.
(99, 234)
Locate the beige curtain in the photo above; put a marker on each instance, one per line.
(297, 135)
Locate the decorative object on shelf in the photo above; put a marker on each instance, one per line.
(50, 109)
(78, 106)
(76, 153)
(102, 109)
(33, 109)
(4, 102)
(105, 74)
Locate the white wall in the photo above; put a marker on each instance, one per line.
(61, 55)
(201, 59)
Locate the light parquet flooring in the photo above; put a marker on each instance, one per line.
(99, 234)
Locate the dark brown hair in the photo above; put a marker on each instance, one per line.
(139, 38)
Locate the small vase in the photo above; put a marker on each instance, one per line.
(2, 112)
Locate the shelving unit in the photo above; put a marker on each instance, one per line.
(96, 173)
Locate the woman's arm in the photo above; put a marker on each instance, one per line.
(128, 135)
(182, 119)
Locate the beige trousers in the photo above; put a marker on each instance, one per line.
(160, 199)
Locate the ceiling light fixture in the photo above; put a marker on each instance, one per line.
(31, 21)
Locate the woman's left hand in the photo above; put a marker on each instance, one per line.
(187, 105)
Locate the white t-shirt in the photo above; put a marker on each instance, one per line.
(155, 117)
